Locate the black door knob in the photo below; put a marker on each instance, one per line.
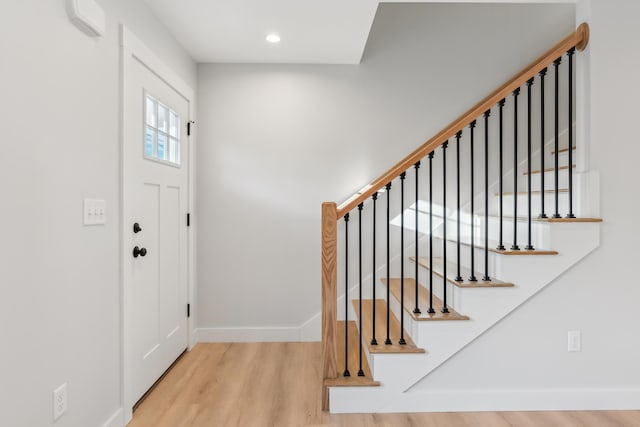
(139, 252)
(136, 228)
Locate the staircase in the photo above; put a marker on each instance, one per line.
(452, 239)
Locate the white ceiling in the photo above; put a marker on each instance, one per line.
(312, 31)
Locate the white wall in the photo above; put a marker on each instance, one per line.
(599, 296)
(277, 140)
(59, 281)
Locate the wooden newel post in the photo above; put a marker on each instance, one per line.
(329, 297)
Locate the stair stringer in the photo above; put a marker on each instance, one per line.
(400, 375)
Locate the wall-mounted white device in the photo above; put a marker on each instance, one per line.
(88, 16)
(95, 212)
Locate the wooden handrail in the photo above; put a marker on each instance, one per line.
(578, 39)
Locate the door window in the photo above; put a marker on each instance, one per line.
(162, 132)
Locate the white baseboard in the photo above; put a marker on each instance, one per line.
(308, 331)
(513, 400)
(115, 420)
(259, 334)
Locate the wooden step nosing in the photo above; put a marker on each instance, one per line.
(562, 150)
(353, 381)
(493, 249)
(573, 220)
(438, 316)
(538, 171)
(536, 192)
(545, 220)
(379, 347)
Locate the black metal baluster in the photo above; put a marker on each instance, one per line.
(346, 296)
(458, 135)
(486, 277)
(430, 310)
(542, 139)
(387, 341)
(472, 278)
(529, 246)
(360, 206)
(556, 65)
(416, 310)
(373, 275)
(402, 177)
(500, 140)
(444, 227)
(570, 125)
(515, 247)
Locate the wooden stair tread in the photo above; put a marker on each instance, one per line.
(538, 219)
(493, 245)
(423, 300)
(562, 150)
(354, 380)
(438, 264)
(573, 219)
(537, 171)
(522, 193)
(381, 329)
(523, 251)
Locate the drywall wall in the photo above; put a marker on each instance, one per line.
(278, 140)
(528, 351)
(59, 281)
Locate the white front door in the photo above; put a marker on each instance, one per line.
(155, 202)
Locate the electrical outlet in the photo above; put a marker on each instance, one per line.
(574, 341)
(59, 401)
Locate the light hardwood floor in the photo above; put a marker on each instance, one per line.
(279, 385)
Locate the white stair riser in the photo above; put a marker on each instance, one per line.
(563, 159)
(539, 232)
(479, 258)
(549, 204)
(549, 180)
(454, 295)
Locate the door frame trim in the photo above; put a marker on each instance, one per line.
(132, 48)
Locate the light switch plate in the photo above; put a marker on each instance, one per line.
(95, 212)
(574, 341)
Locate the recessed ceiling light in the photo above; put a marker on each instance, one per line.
(273, 38)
